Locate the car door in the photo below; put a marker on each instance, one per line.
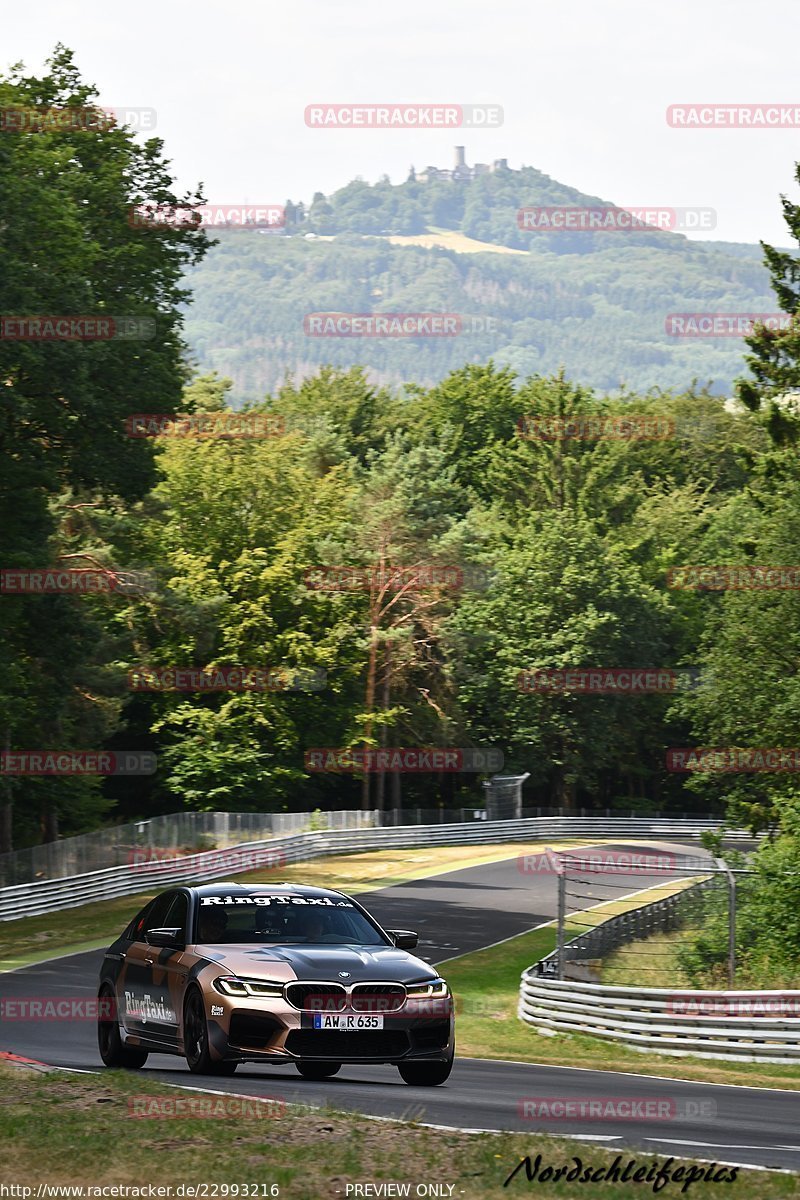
(168, 974)
(135, 989)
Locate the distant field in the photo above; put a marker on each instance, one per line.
(451, 239)
(446, 239)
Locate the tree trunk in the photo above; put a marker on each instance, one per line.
(369, 701)
(380, 802)
(7, 807)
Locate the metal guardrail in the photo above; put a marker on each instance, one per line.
(50, 895)
(648, 1019)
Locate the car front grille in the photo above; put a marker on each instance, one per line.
(380, 1044)
(335, 997)
(377, 997)
(317, 997)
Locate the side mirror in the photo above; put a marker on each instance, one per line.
(404, 939)
(170, 938)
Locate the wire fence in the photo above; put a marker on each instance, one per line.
(193, 832)
(598, 914)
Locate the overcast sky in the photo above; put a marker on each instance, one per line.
(584, 87)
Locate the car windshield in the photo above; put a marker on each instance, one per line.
(283, 919)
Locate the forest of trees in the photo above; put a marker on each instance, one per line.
(565, 543)
(595, 303)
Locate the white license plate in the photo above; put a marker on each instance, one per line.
(346, 1021)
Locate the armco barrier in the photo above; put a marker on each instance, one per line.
(646, 1018)
(50, 895)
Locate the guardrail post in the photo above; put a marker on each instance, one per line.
(562, 908)
(723, 866)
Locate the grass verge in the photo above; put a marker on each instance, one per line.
(307, 1154)
(650, 962)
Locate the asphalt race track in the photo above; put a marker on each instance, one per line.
(455, 913)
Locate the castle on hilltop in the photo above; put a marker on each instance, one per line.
(460, 173)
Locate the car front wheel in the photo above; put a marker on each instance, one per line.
(195, 1039)
(109, 1042)
(425, 1074)
(318, 1070)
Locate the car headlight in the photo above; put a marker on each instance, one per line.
(435, 989)
(230, 985)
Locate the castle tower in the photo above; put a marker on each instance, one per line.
(460, 160)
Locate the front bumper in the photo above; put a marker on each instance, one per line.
(271, 1030)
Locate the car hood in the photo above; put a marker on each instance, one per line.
(319, 962)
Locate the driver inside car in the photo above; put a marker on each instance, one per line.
(212, 925)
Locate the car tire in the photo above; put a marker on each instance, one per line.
(109, 1042)
(195, 1039)
(318, 1070)
(425, 1074)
